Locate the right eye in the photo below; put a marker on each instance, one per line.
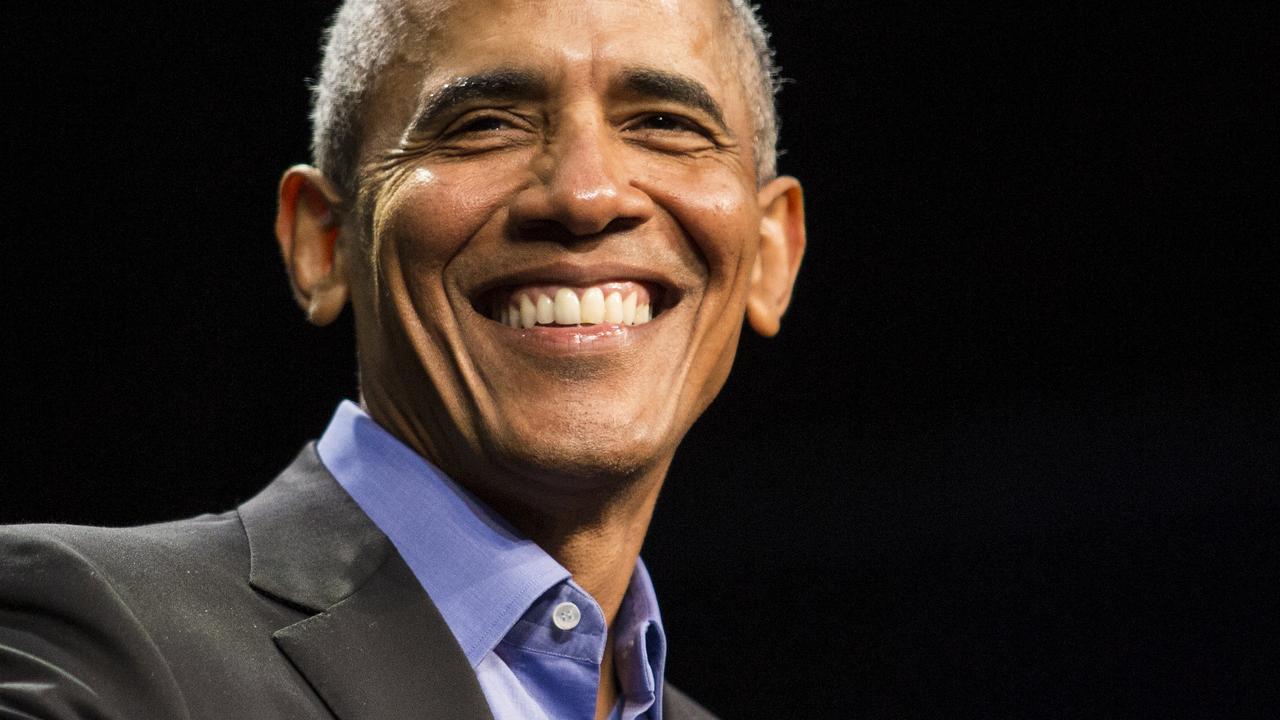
(483, 123)
(484, 130)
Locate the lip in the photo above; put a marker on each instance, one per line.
(579, 340)
(563, 341)
(588, 339)
(661, 289)
(578, 275)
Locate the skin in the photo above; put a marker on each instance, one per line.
(566, 432)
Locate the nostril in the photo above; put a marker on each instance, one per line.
(584, 222)
(549, 231)
(554, 231)
(622, 224)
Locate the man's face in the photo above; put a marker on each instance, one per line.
(562, 229)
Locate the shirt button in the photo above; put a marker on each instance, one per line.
(566, 616)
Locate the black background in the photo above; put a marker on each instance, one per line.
(1015, 453)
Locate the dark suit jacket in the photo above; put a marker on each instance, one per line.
(294, 606)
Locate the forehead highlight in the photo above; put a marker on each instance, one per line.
(442, 25)
(458, 40)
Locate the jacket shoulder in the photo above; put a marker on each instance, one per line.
(133, 561)
(74, 642)
(165, 621)
(182, 536)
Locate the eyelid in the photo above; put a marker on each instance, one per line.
(459, 123)
(681, 118)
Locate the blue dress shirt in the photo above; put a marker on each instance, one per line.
(535, 638)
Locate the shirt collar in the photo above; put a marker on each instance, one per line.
(464, 554)
(640, 643)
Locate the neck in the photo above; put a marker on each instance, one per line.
(598, 543)
(596, 536)
(592, 525)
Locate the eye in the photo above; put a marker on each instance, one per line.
(667, 122)
(670, 133)
(482, 123)
(484, 130)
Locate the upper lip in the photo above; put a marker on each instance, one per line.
(575, 275)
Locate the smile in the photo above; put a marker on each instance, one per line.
(610, 303)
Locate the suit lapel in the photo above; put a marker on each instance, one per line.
(385, 653)
(375, 647)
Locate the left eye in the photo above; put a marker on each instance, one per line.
(663, 121)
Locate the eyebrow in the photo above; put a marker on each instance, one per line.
(500, 84)
(663, 85)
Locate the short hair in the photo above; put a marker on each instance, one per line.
(362, 39)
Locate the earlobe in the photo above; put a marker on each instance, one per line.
(307, 228)
(782, 241)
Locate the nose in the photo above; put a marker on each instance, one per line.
(582, 186)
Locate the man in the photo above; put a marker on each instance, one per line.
(549, 217)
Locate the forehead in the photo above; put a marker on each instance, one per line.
(457, 23)
(443, 40)
(559, 38)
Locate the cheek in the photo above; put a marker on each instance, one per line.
(717, 212)
(432, 215)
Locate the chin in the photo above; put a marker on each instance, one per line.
(562, 454)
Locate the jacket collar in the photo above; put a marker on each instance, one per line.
(375, 648)
(309, 544)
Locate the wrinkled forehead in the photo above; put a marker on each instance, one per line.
(436, 27)
(441, 40)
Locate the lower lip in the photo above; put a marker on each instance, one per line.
(573, 340)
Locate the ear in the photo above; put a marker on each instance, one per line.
(782, 241)
(307, 225)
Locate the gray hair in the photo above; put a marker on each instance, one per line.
(364, 35)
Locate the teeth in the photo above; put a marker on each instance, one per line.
(629, 309)
(613, 308)
(528, 313)
(549, 305)
(593, 306)
(546, 310)
(568, 308)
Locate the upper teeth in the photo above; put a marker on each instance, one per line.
(570, 306)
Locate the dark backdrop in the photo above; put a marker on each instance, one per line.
(1013, 455)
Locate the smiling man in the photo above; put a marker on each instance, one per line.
(550, 218)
